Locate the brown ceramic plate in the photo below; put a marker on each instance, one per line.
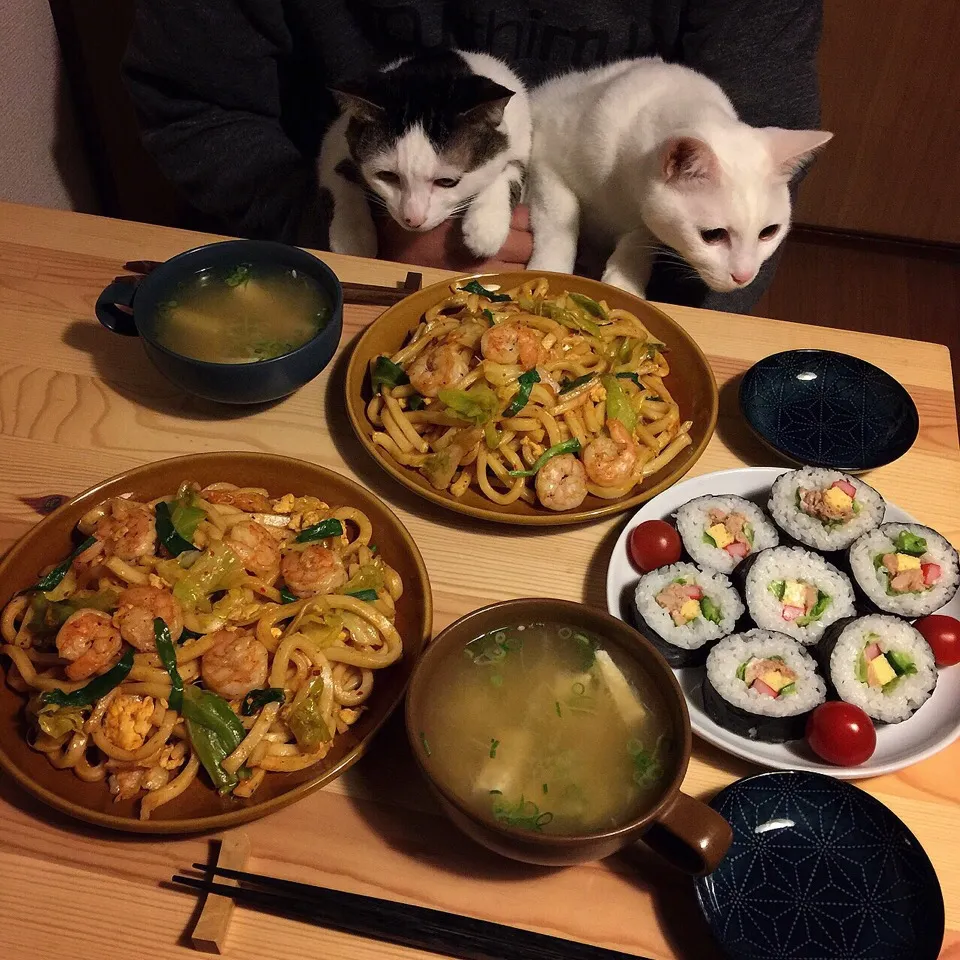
(200, 808)
(690, 381)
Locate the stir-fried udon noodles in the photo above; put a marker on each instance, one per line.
(216, 629)
(527, 394)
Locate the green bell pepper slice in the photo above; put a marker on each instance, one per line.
(386, 373)
(525, 384)
(474, 287)
(618, 403)
(54, 578)
(568, 446)
(96, 689)
(320, 531)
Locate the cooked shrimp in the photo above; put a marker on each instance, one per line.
(512, 343)
(438, 368)
(247, 500)
(562, 483)
(236, 664)
(257, 548)
(314, 570)
(610, 461)
(128, 530)
(90, 641)
(137, 608)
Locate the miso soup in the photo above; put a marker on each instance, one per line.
(543, 727)
(243, 314)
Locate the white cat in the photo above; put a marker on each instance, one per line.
(644, 153)
(444, 133)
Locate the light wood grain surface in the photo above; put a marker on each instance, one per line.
(78, 404)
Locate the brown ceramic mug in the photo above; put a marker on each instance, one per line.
(683, 830)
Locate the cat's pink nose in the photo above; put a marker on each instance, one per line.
(415, 221)
(741, 278)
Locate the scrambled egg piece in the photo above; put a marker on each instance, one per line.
(690, 610)
(775, 680)
(598, 393)
(127, 722)
(535, 448)
(879, 672)
(838, 500)
(720, 534)
(906, 562)
(303, 511)
(172, 755)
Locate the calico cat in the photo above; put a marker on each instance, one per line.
(441, 134)
(642, 154)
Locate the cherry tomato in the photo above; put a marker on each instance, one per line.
(841, 733)
(943, 635)
(653, 544)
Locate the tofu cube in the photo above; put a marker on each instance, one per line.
(720, 534)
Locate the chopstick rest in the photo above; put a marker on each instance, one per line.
(210, 931)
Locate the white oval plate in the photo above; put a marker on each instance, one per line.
(935, 726)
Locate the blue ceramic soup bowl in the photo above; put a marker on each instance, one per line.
(131, 306)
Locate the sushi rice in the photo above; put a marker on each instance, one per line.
(658, 624)
(733, 704)
(864, 511)
(773, 571)
(904, 694)
(875, 582)
(693, 521)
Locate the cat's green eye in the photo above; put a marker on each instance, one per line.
(717, 235)
(446, 182)
(768, 233)
(388, 176)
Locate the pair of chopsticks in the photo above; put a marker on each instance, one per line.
(357, 294)
(386, 920)
(370, 294)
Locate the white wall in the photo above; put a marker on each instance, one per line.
(41, 161)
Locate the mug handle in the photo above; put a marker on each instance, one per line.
(118, 294)
(690, 835)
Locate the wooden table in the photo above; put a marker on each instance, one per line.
(78, 404)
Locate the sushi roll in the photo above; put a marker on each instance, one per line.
(682, 609)
(719, 532)
(879, 663)
(905, 569)
(796, 592)
(762, 685)
(824, 509)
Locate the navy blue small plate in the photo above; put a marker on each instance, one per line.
(827, 409)
(821, 870)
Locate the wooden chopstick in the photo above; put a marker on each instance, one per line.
(369, 293)
(386, 920)
(358, 294)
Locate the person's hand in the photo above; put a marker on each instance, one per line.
(443, 246)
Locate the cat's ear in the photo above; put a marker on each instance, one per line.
(688, 162)
(484, 100)
(357, 102)
(791, 149)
